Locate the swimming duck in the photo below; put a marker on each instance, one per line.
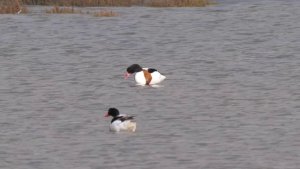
(120, 122)
(144, 76)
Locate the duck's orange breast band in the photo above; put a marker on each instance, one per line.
(148, 77)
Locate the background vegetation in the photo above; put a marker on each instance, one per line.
(153, 3)
(12, 6)
(18, 6)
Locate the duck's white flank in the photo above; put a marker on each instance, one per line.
(127, 125)
(156, 77)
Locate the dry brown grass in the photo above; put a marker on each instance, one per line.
(147, 3)
(105, 13)
(63, 10)
(12, 7)
(177, 3)
(72, 10)
(83, 3)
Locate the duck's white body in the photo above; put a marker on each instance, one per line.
(126, 125)
(118, 126)
(156, 77)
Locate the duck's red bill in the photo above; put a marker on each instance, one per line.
(106, 114)
(126, 75)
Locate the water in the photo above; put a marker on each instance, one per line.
(230, 100)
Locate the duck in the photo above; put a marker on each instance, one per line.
(120, 122)
(144, 76)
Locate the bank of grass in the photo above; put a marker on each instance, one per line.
(105, 13)
(146, 3)
(178, 3)
(63, 10)
(12, 7)
(72, 10)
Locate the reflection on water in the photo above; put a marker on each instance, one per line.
(230, 100)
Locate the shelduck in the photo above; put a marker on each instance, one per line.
(144, 76)
(120, 122)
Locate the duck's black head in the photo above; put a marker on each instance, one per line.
(134, 68)
(112, 112)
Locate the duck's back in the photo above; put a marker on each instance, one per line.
(157, 77)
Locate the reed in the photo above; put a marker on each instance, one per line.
(147, 3)
(63, 10)
(72, 10)
(12, 7)
(105, 13)
(82, 3)
(178, 3)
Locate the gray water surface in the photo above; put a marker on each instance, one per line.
(231, 99)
